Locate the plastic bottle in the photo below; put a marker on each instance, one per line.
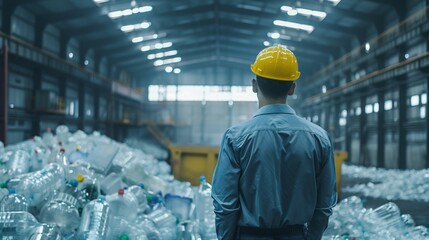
(62, 160)
(111, 183)
(13, 202)
(62, 133)
(19, 162)
(38, 185)
(205, 210)
(77, 155)
(165, 221)
(140, 195)
(38, 159)
(46, 232)
(16, 225)
(123, 229)
(62, 211)
(48, 138)
(123, 206)
(88, 189)
(95, 220)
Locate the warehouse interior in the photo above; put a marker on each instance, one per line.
(175, 75)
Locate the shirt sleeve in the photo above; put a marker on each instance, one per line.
(225, 190)
(326, 194)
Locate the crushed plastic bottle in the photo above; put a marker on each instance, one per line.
(123, 205)
(39, 185)
(13, 202)
(46, 232)
(17, 225)
(95, 220)
(62, 211)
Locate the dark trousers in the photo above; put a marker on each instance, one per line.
(294, 232)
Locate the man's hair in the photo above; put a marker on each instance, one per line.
(273, 89)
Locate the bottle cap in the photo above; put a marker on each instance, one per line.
(77, 148)
(101, 198)
(60, 143)
(149, 198)
(202, 178)
(121, 192)
(80, 178)
(141, 185)
(12, 191)
(73, 182)
(62, 150)
(3, 185)
(124, 237)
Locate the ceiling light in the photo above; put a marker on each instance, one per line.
(156, 46)
(160, 55)
(147, 37)
(314, 13)
(100, 1)
(129, 11)
(274, 35)
(167, 44)
(334, 2)
(137, 39)
(294, 25)
(292, 12)
(266, 43)
(367, 47)
(303, 11)
(167, 61)
(158, 63)
(168, 69)
(145, 48)
(70, 55)
(177, 70)
(132, 27)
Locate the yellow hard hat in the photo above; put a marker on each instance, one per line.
(276, 62)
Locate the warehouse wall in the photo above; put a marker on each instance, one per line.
(45, 90)
(380, 112)
(201, 123)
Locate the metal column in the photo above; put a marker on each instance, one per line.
(380, 129)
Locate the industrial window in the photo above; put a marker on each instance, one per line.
(201, 93)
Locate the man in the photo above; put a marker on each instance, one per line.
(275, 178)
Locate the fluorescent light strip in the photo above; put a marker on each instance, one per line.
(167, 61)
(156, 46)
(129, 11)
(303, 11)
(100, 1)
(133, 27)
(294, 25)
(145, 38)
(334, 2)
(163, 54)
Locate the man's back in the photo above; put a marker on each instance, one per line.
(280, 158)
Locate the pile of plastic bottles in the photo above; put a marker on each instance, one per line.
(350, 220)
(78, 186)
(390, 184)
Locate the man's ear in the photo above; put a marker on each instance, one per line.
(254, 86)
(291, 90)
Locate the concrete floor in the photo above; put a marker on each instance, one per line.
(418, 210)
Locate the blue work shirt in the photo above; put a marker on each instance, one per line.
(276, 169)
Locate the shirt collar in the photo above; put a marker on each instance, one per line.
(275, 108)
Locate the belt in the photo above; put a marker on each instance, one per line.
(287, 230)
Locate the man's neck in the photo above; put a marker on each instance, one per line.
(267, 101)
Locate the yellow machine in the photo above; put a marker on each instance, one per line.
(191, 162)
